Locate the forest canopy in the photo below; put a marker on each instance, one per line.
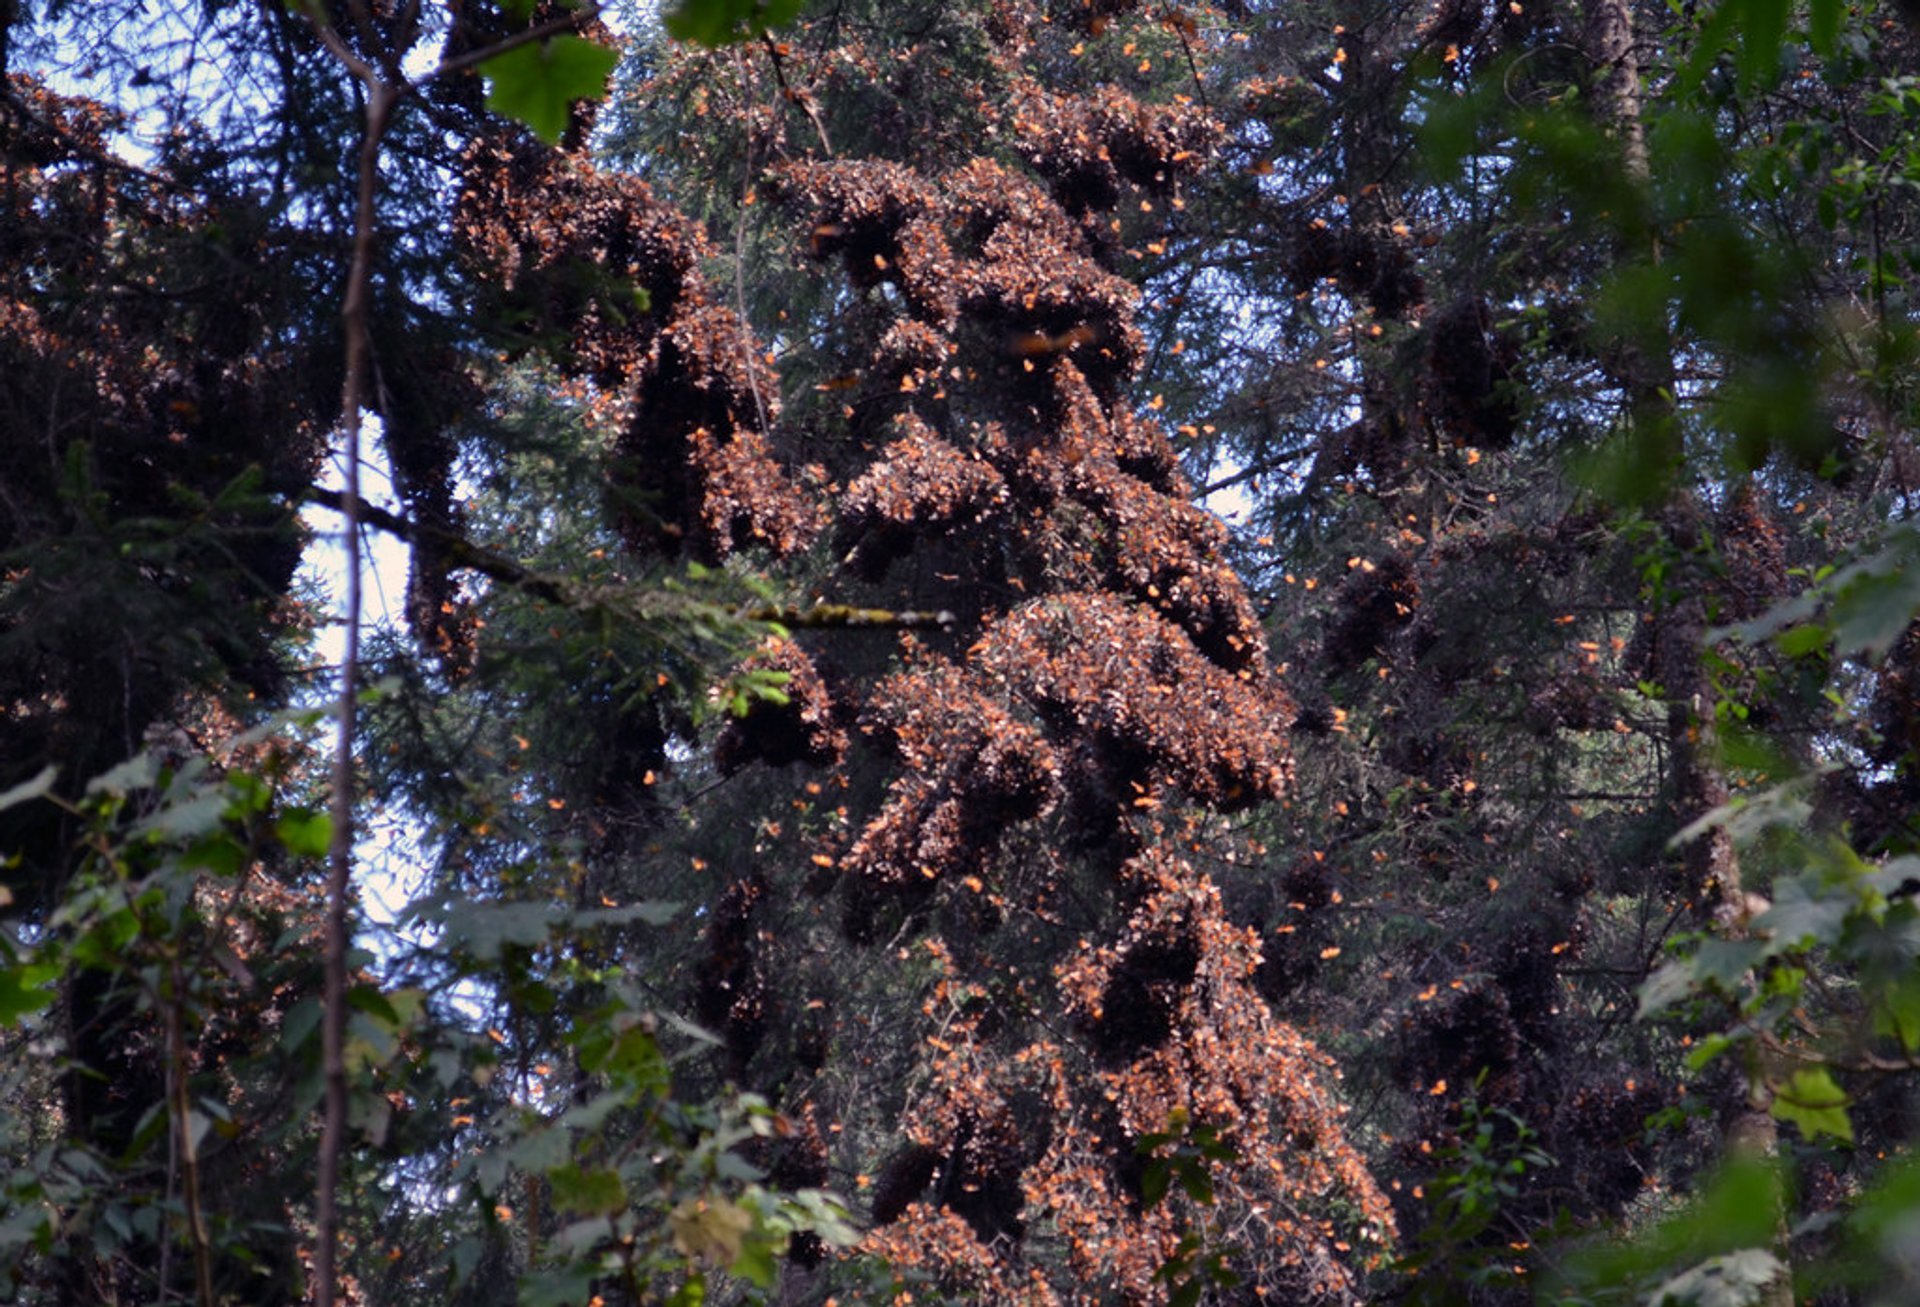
(1053, 652)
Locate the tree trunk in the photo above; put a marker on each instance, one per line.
(1645, 371)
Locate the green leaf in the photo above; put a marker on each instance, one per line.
(1154, 1183)
(1709, 1048)
(1665, 987)
(565, 1288)
(538, 83)
(305, 833)
(300, 1023)
(24, 989)
(756, 1262)
(596, 1192)
(1196, 1181)
(483, 929)
(1723, 962)
(1799, 641)
(189, 817)
(1812, 1101)
(724, 22)
(137, 773)
(1806, 912)
(1823, 24)
(1762, 25)
(653, 912)
(1897, 1013)
(1876, 597)
(30, 789)
(219, 854)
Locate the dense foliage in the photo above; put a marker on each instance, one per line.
(1058, 651)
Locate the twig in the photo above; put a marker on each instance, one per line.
(801, 98)
(381, 97)
(181, 1109)
(1179, 23)
(572, 22)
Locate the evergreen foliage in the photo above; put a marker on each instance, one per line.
(1058, 651)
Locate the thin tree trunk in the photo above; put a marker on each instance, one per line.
(1646, 373)
(354, 322)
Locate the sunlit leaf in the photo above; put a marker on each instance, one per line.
(538, 83)
(26, 988)
(305, 833)
(1811, 1100)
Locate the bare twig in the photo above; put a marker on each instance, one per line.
(801, 98)
(188, 1148)
(380, 99)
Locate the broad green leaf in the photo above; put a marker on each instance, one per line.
(1195, 1179)
(1812, 1101)
(193, 816)
(595, 1192)
(1155, 1181)
(565, 1288)
(538, 83)
(544, 1149)
(305, 833)
(724, 22)
(732, 1166)
(29, 789)
(136, 773)
(483, 929)
(465, 1258)
(218, 853)
(1895, 877)
(1798, 641)
(1806, 912)
(1707, 1049)
(300, 1023)
(1876, 597)
(1665, 987)
(1873, 611)
(25, 988)
(1763, 23)
(757, 1261)
(1897, 1014)
(1724, 962)
(1781, 617)
(652, 912)
(1823, 24)
(825, 1215)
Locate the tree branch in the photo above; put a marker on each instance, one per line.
(462, 552)
(354, 322)
(572, 22)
